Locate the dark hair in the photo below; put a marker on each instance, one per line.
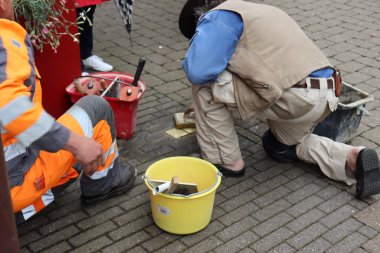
(191, 12)
(205, 7)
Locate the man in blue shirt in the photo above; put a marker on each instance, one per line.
(256, 59)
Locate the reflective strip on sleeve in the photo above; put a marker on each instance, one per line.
(13, 150)
(38, 129)
(14, 109)
(111, 150)
(48, 197)
(102, 173)
(83, 119)
(28, 212)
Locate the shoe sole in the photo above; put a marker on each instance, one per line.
(110, 194)
(368, 174)
(230, 173)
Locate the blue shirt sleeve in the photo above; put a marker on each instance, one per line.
(212, 46)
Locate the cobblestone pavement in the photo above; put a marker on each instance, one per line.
(275, 207)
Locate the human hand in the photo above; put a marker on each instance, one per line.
(88, 152)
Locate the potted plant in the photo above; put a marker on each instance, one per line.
(46, 22)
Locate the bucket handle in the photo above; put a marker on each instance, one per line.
(218, 174)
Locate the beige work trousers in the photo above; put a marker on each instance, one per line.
(291, 119)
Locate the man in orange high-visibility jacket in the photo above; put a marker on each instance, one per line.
(41, 153)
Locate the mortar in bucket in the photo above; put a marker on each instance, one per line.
(342, 125)
(177, 213)
(125, 112)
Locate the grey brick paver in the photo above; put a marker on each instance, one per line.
(319, 245)
(127, 243)
(305, 220)
(54, 238)
(338, 216)
(237, 243)
(238, 214)
(342, 230)
(352, 242)
(271, 240)
(211, 229)
(307, 236)
(271, 210)
(93, 246)
(205, 246)
(272, 224)
(92, 233)
(237, 228)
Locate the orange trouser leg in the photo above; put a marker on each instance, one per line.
(56, 168)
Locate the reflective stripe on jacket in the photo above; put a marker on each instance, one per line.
(25, 126)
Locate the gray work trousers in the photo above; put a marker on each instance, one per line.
(291, 119)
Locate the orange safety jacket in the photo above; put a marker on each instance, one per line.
(26, 128)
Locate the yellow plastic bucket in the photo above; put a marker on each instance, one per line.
(179, 214)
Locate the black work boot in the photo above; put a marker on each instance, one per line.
(278, 151)
(367, 173)
(126, 177)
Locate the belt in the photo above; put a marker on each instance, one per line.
(314, 84)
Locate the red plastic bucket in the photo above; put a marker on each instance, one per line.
(125, 111)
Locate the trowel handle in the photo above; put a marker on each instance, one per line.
(139, 69)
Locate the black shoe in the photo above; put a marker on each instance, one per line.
(278, 151)
(230, 173)
(367, 173)
(127, 178)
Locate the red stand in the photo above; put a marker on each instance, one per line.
(59, 69)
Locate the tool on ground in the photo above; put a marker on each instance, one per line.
(185, 119)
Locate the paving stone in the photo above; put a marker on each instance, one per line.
(239, 200)
(92, 233)
(338, 216)
(271, 196)
(373, 245)
(205, 246)
(271, 240)
(350, 243)
(58, 248)
(304, 206)
(238, 243)
(282, 248)
(272, 224)
(127, 243)
(270, 184)
(319, 245)
(235, 229)
(302, 193)
(335, 202)
(369, 216)
(306, 236)
(368, 232)
(305, 220)
(130, 228)
(93, 245)
(238, 214)
(202, 235)
(342, 230)
(54, 238)
(100, 218)
(175, 246)
(271, 210)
